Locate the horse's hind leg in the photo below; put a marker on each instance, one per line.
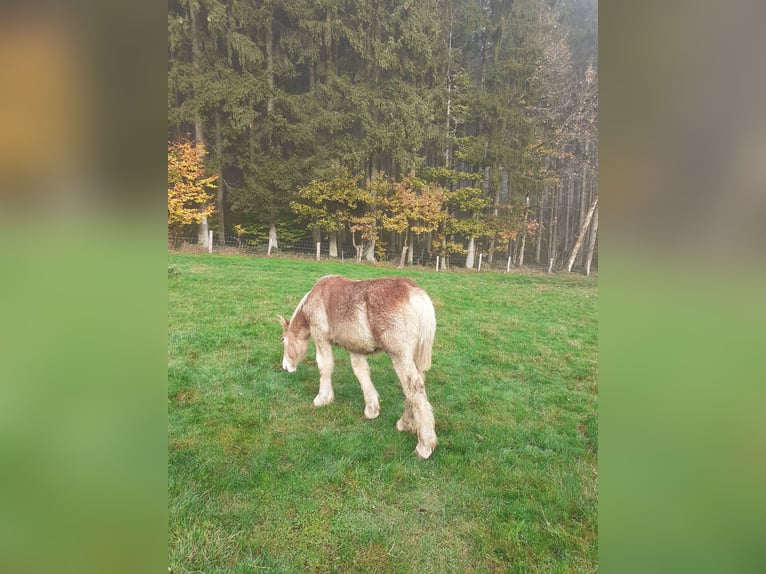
(326, 363)
(407, 421)
(418, 415)
(362, 372)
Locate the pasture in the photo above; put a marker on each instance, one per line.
(260, 480)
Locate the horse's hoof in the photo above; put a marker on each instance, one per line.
(423, 451)
(372, 412)
(323, 400)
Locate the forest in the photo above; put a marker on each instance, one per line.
(399, 130)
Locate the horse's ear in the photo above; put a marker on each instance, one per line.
(283, 321)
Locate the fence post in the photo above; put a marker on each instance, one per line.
(319, 246)
(437, 262)
(508, 266)
(210, 242)
(479, 268)
(550, 266)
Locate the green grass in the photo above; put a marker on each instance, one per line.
(260, 480)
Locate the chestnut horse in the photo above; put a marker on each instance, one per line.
(391, 314)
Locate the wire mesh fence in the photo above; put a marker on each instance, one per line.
(228, 244)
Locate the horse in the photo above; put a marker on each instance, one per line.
(391, 314)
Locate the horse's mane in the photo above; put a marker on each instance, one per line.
(299, 308)
(298, 313)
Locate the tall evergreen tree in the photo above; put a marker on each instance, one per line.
(281, 90)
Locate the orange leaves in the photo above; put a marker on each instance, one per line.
(534, 227)
(414, 206)
(189, 190)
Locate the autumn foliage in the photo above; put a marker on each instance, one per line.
(414, 206)
(333, 202)
(189, 188)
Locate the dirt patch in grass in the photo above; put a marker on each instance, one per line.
(187, 397)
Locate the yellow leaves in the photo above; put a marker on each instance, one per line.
(409, 206)
(189, 190)
(468, 199)
(451, 247)
(415, 206)
(331, 202)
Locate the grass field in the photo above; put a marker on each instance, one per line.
(260, 480)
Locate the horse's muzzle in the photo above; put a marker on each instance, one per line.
(287, 366)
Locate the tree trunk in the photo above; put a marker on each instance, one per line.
(491, 249)
(574, 224)
(401, 259)
(219, 201)
(219, 196)
(312, 79)
(567, 218)
(269, 41)
(370, 255)
(583, 195)
(203, 236)
(272, 238)
(370, 245)
(448, 150)
(495, 211)
(484, 56)
(554, 221)
(195, 59)
(581, 235)
(591, 242)
(524, 234)
(471, 253)
(334, 244)
(540, 216)
(358, 247)
(327, 43)
(538, 245)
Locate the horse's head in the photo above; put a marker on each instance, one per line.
(296, 344)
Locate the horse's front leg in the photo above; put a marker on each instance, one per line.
(362, 372)
(325, 362)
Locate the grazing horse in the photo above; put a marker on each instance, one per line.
(391, 314)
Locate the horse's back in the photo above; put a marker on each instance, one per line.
(338, 314)
(391, 314)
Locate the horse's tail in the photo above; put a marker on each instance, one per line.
(426, 331)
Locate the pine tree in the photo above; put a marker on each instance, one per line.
(499, 91)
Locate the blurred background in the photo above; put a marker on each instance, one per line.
(82, 227)
(683, 166)
(83, 232)
(81, 106)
